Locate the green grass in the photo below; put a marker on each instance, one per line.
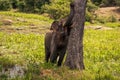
(101, 51)
(112, 25)
(101, 56)
(25, 15)
(28, 45)
(106, 24)
(24, 19)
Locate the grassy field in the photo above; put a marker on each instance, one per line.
(23, 23)
(101, 56)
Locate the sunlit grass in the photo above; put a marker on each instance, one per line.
(25, 15)
(101, 52)
(101, 56)
(25, 19)
(113, 25)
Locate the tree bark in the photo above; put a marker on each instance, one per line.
(74, 59)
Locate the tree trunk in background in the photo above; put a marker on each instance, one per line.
(74, 59)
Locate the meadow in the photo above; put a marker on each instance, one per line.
(101, 54)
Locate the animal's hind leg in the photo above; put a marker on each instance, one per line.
(47, 55)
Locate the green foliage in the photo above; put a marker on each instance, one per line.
(112, 19)
(3, 77)
(21, 6)
(88, 16)
(117, 2)
(33, 6)
(109, 2)
(106, 2)
(29, 5)
(101, 20)
(90, 11)
(5, 5)
(57, 9)
(60, 8)
(91, 7)
(97, 2)
(14, 3)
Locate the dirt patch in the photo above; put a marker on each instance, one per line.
(39, 30)
(46, 72)
(25, 30)
(109, 11)
(7, 22)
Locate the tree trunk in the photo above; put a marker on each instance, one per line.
(74, 58)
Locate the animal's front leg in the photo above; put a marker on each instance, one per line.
(61, 57)
(53, 48)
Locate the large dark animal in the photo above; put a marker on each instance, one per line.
(56, 43)
(48, 39)
(56, 40)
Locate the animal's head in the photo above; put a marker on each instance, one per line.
(58, 29)
(54, 26)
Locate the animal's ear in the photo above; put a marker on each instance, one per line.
(62, 22)
(54, 26)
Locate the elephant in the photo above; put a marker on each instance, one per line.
(56, 43)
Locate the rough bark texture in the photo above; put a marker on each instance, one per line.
(74, 58)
